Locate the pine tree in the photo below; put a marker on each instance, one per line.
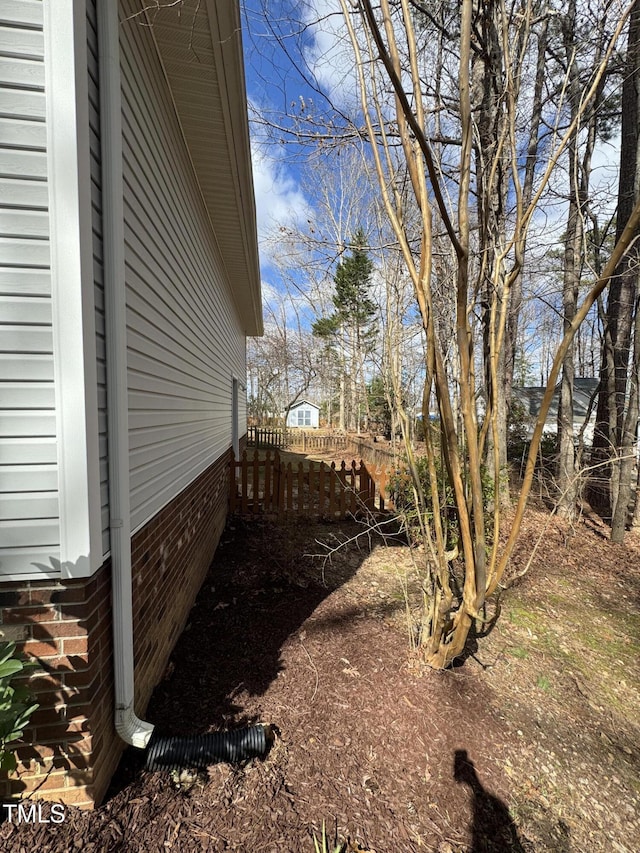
(349, 331)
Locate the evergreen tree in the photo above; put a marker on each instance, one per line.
(354, 308)
(349, 331)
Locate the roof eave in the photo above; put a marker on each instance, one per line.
(216, 24)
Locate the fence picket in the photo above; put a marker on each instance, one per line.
(268, 468)
(255, 484)
(300, 495)
(233, 486)
(311, 505)
(271, 486)
(289, 487)
(281, 483)
(244, 474)
(333, 476)
(321, 488)
(342, 476)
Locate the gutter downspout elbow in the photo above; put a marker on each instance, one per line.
(130, 728)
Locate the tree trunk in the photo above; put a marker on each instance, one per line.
(610, 416)
(580, 174)
(629, 443)
(636, 511)
(515, 305)
(488, 86)
(565, 473)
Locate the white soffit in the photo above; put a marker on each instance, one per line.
(199, 43)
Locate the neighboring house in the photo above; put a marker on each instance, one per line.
(584, 407)
(129, 281)
(304, 415)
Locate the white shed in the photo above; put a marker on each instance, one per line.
(304, 415)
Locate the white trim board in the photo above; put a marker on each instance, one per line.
(74, 341)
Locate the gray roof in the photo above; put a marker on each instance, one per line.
(304, 403)
(584, 388)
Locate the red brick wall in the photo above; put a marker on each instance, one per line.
(171, 555)
(67, 626)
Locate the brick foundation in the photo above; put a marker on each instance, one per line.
(67, 627)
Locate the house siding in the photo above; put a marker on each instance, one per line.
(29, 506)
(185, 341)
(98, 274)
(73, 749)
(185, 347)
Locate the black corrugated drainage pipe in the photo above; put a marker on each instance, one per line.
(200, 751)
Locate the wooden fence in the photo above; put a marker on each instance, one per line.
(375, 453)
(268, 437)
(270, 486)
(302, 439)
(350, 445)
(358, 447)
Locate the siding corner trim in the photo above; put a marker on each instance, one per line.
(74, 340)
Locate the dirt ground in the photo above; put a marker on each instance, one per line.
(531, 744)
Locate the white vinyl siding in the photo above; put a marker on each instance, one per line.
(29, 507)
(96, 221)
(185, 342)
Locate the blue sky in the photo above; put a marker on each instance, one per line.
(290, 79)
(272, 85)
(311, 75)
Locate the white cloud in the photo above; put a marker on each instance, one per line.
(605, 173)
(330, 54)
(279, 199)
(550, 219)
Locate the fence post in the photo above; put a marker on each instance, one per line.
(321, 478)
(289, 479)
(267, 482)
(281, 481)
(333, 476)
(312, 493)
(300, 508)
(243, 480)
(232, 481)
(364, 485)
(275, 489)
(342, 476)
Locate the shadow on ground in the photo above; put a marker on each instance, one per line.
(493, 828)
(264, 583)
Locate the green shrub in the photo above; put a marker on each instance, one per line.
(401, 490)
(15, 704)
(518, 425)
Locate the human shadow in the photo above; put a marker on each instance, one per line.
(493, 829)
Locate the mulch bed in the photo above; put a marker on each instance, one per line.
(388, 755)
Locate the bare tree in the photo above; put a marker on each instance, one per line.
(627, 404)
(579, 168)
(613, 432)
(461, 175)
(282, 364)
(385, 49)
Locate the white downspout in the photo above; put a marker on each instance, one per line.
(132, 730)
